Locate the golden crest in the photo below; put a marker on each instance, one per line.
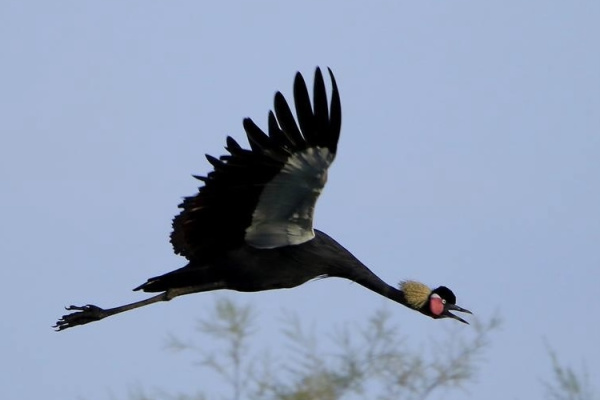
(415, 293)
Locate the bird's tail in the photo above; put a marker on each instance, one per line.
(188, 276)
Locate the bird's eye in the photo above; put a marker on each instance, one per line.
(443, 301)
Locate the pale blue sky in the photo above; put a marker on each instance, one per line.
(469, 156)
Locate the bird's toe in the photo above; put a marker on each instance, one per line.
(81, 316)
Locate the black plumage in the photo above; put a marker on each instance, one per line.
(250, 225)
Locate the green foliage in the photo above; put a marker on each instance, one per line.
(567, 384)
(354, 360)
(233, 325)
(368, 360)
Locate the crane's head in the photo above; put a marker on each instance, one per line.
(436, 303)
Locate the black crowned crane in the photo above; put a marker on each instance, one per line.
(250, 226)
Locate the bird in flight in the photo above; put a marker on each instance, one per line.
(250, 225)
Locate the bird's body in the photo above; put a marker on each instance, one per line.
(248, 269)
(250, 227)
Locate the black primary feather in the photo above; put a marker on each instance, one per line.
(216, 218)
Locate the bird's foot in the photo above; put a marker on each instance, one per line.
(83, 315)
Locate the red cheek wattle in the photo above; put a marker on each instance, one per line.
(436, 306)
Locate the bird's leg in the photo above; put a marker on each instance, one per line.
(90, 313)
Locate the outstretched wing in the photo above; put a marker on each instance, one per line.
(265, 196)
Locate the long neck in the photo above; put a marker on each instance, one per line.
(343, 264)
(368, 279)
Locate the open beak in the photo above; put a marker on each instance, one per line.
(454, 307)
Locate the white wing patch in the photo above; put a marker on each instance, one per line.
(285, 208)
